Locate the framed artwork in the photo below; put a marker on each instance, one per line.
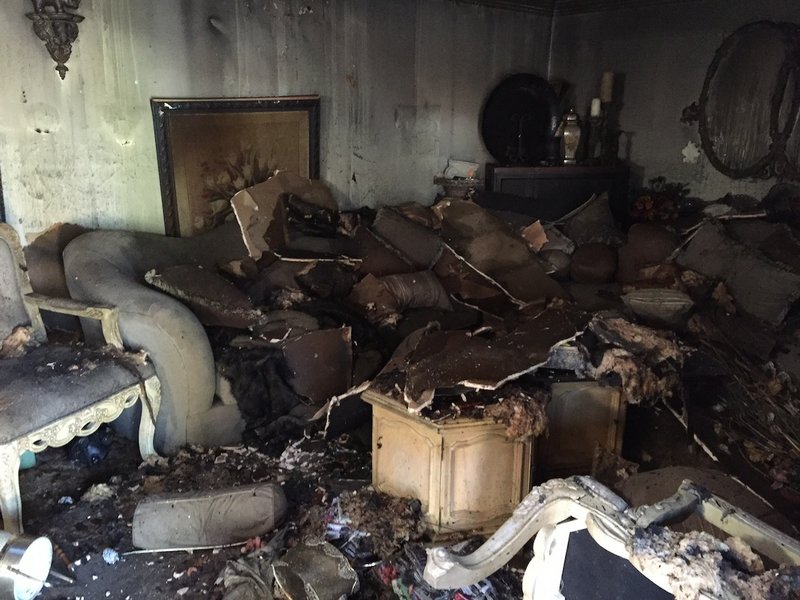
(2, 202)
(209, 149)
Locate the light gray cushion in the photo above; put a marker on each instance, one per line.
(664, 306)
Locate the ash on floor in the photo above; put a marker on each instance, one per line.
(86, 510)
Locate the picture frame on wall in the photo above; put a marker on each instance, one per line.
(2, 202)
(208, 149)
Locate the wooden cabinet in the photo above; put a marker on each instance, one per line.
(466, 473)
(548, 193)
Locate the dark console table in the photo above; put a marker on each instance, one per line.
(548, 193)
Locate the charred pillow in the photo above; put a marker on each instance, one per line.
(594, 263)
(648, 244)
(417, 290)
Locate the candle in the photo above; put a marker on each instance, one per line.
(595, 110)
(607, 86)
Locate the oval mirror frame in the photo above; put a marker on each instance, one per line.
(784, 113)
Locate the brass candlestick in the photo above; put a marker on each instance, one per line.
(595, 143)
(610, 133)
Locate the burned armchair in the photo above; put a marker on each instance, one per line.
(52, 393)
(636, 541)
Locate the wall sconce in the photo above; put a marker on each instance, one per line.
(57, 28)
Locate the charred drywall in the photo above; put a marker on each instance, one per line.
(401, 82)
(663, 53)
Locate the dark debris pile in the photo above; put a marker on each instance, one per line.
(453, 309)
(454, 312)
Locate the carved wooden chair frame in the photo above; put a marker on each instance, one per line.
(612, 524)
(79, 423)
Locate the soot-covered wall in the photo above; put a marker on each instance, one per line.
(663, 52)
(401, 83)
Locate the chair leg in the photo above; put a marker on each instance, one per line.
(147, 423)
(10, 501)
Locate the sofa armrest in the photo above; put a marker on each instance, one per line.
(108, 267)
(107, 315)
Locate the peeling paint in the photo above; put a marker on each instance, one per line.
(691, 153)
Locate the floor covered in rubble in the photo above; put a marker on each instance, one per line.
(700, 355)
(87, 510)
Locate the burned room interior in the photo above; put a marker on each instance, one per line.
(416, 299)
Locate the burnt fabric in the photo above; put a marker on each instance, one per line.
(259, 382)
(327, 279)
(50, 382)
(418, 244)
(497, 252)
(310, 218)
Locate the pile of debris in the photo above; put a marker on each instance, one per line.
(453, 309)
(448, 301)
(456, 310)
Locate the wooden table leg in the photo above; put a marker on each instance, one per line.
(147, 423)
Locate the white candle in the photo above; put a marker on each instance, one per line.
(595, 110)
(607, 86)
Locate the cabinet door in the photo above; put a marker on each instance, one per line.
(406, 459)
(484, 476)
(582, 416)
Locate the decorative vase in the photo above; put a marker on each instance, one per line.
(570, 130)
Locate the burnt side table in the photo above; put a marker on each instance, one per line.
(548, 193)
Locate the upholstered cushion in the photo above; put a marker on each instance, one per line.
(663, 306)
(51, 382)
(648, 244)
(593, 263)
